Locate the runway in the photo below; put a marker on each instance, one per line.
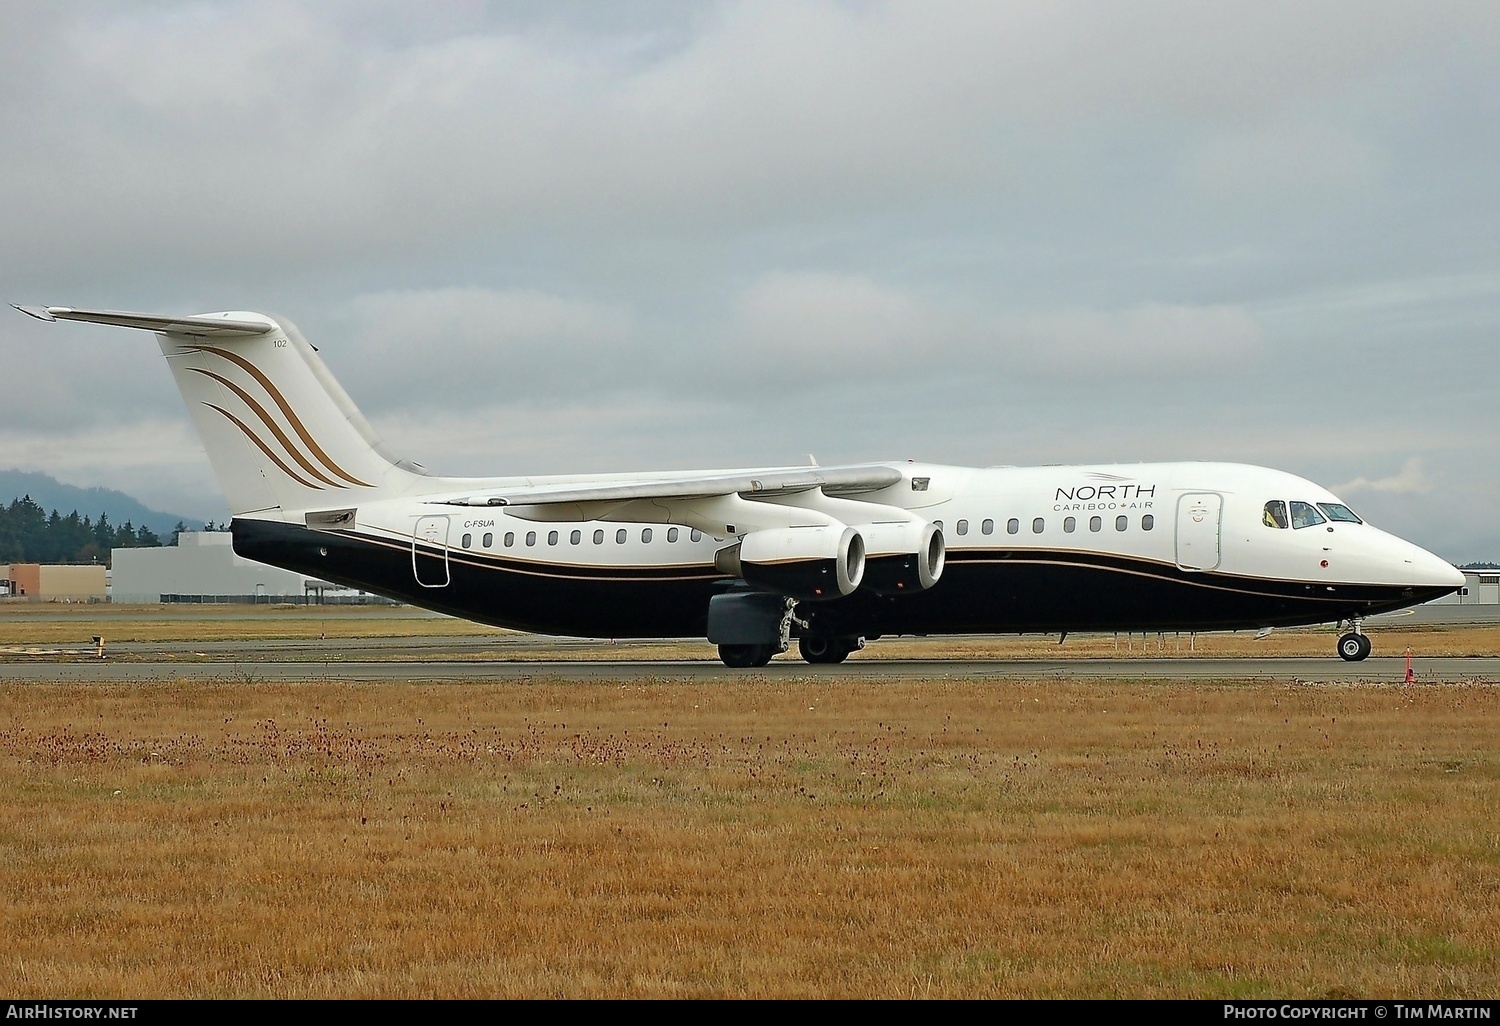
(397, 644)
(230, 662)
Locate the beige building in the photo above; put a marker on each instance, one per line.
(42, 583)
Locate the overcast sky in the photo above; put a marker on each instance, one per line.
(552, 237)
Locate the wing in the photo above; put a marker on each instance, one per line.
(765, 483)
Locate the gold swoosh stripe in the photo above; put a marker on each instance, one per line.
(265, 418)
(271, 390)
(264, 448)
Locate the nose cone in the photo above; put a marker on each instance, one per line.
(1429, 571)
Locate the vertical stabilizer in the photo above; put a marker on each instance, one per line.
(279, 431)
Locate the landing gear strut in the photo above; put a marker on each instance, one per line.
(741, 656)
(1354, 646)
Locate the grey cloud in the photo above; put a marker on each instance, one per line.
(1411, 479)
(1143, 341)
(64, 376)
(269, 135)
(1263, 167)
(817, 325)
(479, 347)
(543, 237)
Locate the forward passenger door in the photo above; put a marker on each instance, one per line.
(1200, 518)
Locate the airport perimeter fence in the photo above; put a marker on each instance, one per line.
(280, 600)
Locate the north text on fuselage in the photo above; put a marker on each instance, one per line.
(1106, 496)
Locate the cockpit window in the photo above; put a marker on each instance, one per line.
(1337, 511)
(1275, 514)
(1304, 515)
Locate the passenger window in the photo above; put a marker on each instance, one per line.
(988, 527)
(695, 535)
(1069, 524)
(1339, 512)
(1038, 525)
(575, 537)
(551, 537)
(599, 537)
(938, 524)
(1148, 522)
(1274, 515)
(620, 536)
(510, 538)
(963, 527)
(1012, 526)
(645, 534)
(489, 539)
(1121, 523)
(671, 534)
(1305, 515)
(1095, 523)
(466, 541)
(530, 537)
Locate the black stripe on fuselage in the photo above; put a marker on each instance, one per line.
(981, 591)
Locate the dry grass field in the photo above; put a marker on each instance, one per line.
(749, 836)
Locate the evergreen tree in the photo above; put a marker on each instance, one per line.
(73, 536)
(30, 535)
(50, 548)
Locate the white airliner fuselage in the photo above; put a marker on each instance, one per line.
(753, 558)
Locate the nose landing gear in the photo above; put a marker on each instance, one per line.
(1353, 646)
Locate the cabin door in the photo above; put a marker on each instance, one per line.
(1200, 517)
(429, 552)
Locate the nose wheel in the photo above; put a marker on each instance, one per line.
(1353, 647)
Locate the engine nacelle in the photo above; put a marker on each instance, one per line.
(800, 562)
(903, 558)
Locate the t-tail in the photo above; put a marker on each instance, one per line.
(280, 432)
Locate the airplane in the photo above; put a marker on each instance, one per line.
(751, 559)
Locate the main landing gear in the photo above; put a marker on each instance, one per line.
(753, 632)
(741, 657)
(823, 648)
(1354, 646)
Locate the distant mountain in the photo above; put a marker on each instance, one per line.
(50, 494)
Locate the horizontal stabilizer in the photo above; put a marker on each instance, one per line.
(209, 326)
(800, 479)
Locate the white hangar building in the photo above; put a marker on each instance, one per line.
(202, 567)
(1481, 588)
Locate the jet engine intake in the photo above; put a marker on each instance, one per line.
(902, 558)
(807, 563)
